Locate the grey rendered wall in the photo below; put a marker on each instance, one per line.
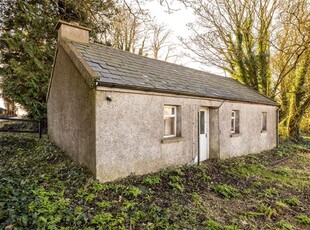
(250, 139)
(71, 112)
(130, 131)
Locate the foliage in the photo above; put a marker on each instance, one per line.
(304, 220)
(41, 188)
(226, 191)
(264, 45)
(132, 191)
(282, 225)
(293, 201)
(151, 180)
(212, 225)
(263, 210)
(269, 192)
(28, 40)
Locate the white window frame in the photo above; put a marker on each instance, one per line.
(175, 119)
(233, 119)
(264, 122)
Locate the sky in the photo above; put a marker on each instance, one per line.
(176, 21)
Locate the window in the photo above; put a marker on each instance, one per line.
(170, 121)
(202, 122)
(235, 121)
(264, 121)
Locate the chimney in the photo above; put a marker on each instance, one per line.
(72, 31)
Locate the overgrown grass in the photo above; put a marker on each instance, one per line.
(41, 188)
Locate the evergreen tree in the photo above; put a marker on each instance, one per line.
(28, 39)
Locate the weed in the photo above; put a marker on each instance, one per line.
(47, 209)
(263, 210)
(231, 227)
(128, 205)
(281, 204)
(293, 201)
(305, 220)
(283, 171)
(212, 225)
(269, 193)
(196, 196)
(81, 193)
(204, 176)
(90, 197)
(100, 187)
(132, 191)
(283, 225)
(102, 219)
(256, 184)
(226, 191)
(104, 204)
(177, 186)
(267, 211)
(151, 180)
(176, 171)
(138, 215)
(175, 178)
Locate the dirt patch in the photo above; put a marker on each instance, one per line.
(307, 155)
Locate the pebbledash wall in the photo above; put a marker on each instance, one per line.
(71, 112)
(129, 131)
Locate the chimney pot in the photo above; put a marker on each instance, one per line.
(72, 31)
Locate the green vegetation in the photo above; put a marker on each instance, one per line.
(28, 43)
(41, 188)
(304, 220)
(226, 191)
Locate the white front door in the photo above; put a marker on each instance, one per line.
(203, 134)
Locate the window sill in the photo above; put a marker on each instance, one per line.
(235, 134)
(171, 139)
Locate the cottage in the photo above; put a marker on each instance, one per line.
(119, 113)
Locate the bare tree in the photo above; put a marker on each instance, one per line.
(234, 35)
(134, 30)
(263, 44)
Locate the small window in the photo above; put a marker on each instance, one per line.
(170, 121)
(264, 121)
(235, 121)
(202, 122)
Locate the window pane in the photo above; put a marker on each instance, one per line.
(202, 122)
(264, 125)
(237, 122)
(169, 124)
(234, 121)
(168, 110)
(232, 125)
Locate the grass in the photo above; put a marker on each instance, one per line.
(41, 188)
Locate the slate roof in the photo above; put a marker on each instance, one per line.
(122, 69)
